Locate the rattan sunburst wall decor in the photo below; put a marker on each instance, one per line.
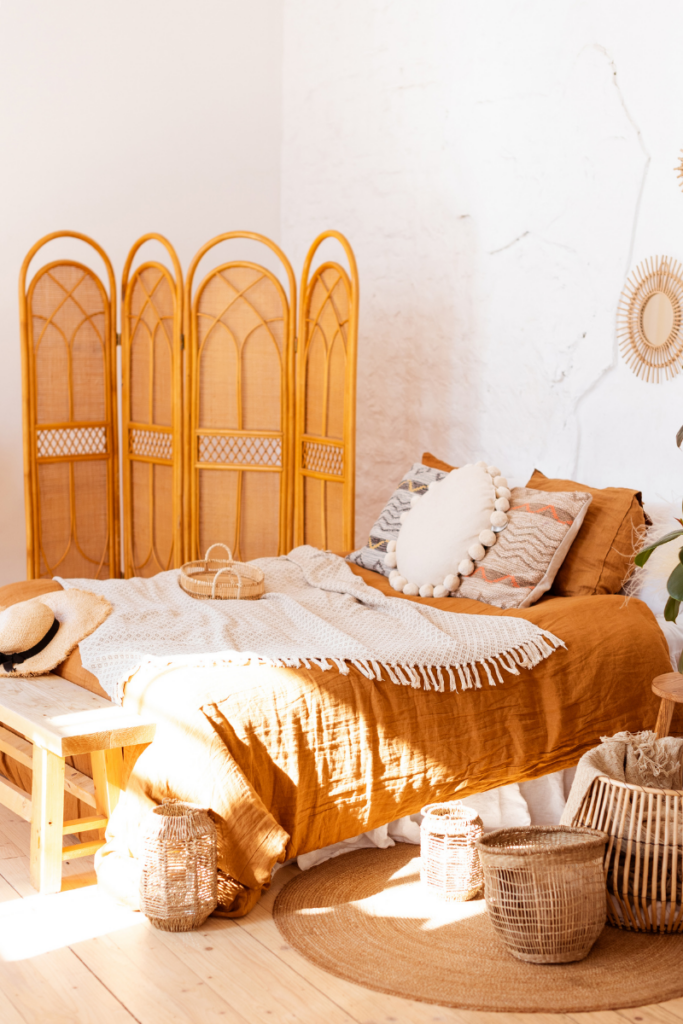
(650, 319)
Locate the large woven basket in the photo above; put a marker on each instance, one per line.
(178, 882)
(545, 890)
(644, 856)
(221, 579)
(449, 859)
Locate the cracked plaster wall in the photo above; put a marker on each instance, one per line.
(499, 168)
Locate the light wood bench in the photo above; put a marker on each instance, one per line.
(57, 719)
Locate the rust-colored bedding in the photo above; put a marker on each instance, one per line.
(293, 760)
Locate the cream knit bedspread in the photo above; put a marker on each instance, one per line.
(315, 610)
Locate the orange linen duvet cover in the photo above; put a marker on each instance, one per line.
(291, 760)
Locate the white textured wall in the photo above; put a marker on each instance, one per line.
(499, 168)
(120, 118)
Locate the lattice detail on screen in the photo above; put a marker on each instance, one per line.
(240, 450)
(151, 444)
(65, 442)
(323, 458)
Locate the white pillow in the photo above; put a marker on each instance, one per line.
(448, 530)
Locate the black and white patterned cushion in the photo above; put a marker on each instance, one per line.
(416, 481)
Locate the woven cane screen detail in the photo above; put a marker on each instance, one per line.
(241, 317)
(323, 458)
(63, 442)
(151, 444)
(69, 318)
(151, 525)
(226, 448)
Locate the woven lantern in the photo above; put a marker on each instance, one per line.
(545, 890)
(178, 878)
(449, 860)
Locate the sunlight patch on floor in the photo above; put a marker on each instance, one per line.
(40, 924)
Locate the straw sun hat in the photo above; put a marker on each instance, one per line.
(37, 635)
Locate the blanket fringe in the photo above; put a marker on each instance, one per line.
(526, 655)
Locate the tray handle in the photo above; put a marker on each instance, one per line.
(225, 546)
(228, 568)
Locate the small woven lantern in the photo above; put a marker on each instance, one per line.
(178, 878)
(449, 860)
(545, 890)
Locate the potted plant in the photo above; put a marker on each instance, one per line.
(674, 584)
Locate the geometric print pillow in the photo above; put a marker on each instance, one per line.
(529, 551)
(416, 481)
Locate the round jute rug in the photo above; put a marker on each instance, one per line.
(367, 918)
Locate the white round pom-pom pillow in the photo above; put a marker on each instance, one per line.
(446, 531)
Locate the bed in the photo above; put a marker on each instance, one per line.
(292, 760)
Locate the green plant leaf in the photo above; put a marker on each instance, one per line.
(674, 584)
(671, 610)
(644, 554)
(679, 437)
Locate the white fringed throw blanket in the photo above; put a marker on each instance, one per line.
(314, 610)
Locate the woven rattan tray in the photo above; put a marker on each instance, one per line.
(221, 579)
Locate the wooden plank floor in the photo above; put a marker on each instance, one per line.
(77, 958)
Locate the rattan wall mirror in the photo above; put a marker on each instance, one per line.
(650, 319)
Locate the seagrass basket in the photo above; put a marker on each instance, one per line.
(643, 861)
(449, 860)
(545, 890)
(178, 881)
(221, 579)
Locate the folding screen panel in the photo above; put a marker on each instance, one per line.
(68, 336)
(240, 330)
(151, 413)
(325, 447)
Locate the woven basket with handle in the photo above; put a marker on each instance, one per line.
(221, 579)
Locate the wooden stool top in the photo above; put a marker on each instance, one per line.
(66, 719)
(669, 686)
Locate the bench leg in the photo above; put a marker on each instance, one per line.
(666, 713)
(47, 820)
(107, 769)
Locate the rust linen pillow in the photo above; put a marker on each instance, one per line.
(529, 551)
(431, 460)
(601, 557)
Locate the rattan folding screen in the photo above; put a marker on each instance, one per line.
(152, 413)
(240, 329)
(68, 329)
(228, 432)
(325, 447)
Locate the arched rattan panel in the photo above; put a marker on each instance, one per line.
(68, 342)
(151, 413)
(325, 446)
(240, 328)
